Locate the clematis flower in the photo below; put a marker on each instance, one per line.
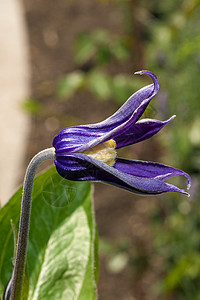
(88, 152)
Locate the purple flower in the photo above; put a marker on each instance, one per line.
(88, 152)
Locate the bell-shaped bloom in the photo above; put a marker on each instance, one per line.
(88, 152)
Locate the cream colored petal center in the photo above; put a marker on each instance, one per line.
(104, 152)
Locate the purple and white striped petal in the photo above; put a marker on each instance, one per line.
(141, 130)
(149, 169)
(80, 138)
(135, 176)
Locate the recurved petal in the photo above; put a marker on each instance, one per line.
(123, 114)
(80, 138)
(135, 176)
(149, 169)
(139, 131)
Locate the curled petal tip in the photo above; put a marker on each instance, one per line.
(185, 193)
(188, 186)
(153, 77)
(138, 73)
(145, 72)
(173, 117)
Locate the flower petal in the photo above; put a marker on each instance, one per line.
(148, 179)
(72, 138)
(149, 169)
(80, 138)
(139, 131)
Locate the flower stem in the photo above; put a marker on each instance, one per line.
(19, 267)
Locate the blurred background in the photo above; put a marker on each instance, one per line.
(74, 62)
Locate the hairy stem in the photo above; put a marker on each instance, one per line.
(18, 272)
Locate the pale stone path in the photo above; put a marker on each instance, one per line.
(14, 88)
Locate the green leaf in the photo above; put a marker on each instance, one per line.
(1, 291)
(188, 265)
(85, 48)
(120, 50)
(32, 106)
(100, 85)
(70, 84)
(60, 258)
(121, 89)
